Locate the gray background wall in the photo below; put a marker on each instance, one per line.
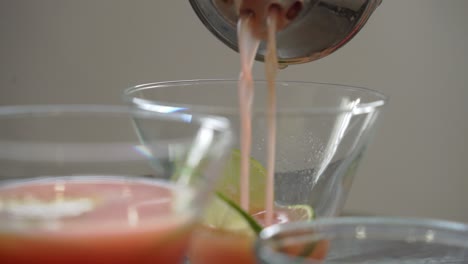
(415, 51)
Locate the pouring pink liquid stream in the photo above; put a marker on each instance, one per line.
(248, 45)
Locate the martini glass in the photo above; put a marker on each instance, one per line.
(103, 184)
(322, 133)
(364, 240)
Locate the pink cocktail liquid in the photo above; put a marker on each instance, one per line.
(211, 245)
(92, 220)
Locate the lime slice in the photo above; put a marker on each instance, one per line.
(229, 185)
(224, 214)
(300, 212)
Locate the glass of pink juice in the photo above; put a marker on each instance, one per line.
(322, 132)
(103, 184)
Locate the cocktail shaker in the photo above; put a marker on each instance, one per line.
(308, 29)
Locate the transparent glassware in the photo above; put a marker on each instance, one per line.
(322, 131)
(104, 184)
(364, 240)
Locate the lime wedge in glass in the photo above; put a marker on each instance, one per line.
(229, 184)
(225, 214)
(300, 212)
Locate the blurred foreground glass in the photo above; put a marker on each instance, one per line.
(364, 240)
(93, 184)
